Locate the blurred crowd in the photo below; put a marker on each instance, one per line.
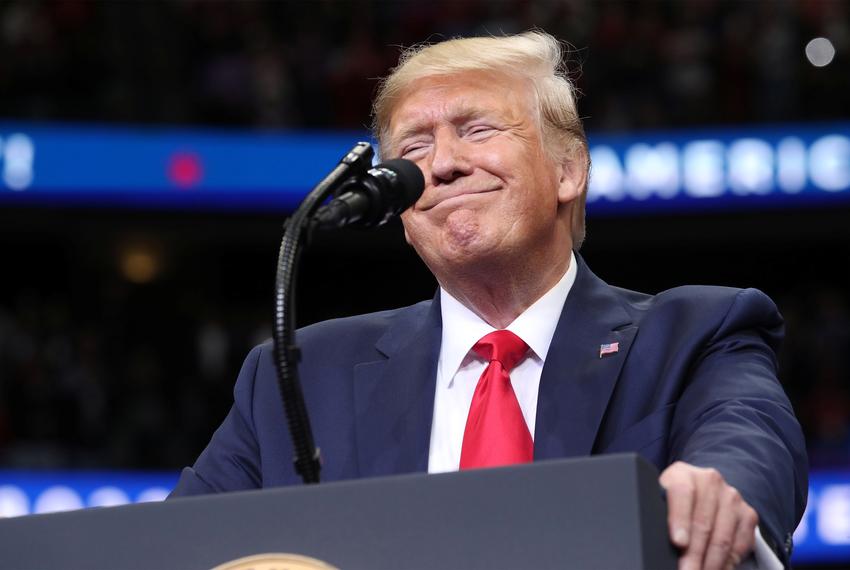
(815, 368)
(141, 387)
(314, 63)
(102, 396)
(98, 382)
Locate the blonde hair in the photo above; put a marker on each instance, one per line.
(535, 56)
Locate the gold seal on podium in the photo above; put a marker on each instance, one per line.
(275, 561)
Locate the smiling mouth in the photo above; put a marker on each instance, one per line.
(457, 197)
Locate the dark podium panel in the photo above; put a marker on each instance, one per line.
(604, 512)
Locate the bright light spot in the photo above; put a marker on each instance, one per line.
(153, 495)
(19, 154)
(703, 163)
(791, 164)
(108, 497)
(185, 169)
(829, 163)
(58, 498)
(834, 514)
(653, 169)
(13, 502)
(820, 52)
(750, 166)
(140, 264)
(606, 175)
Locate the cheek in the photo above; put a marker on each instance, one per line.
(415, 227)
(406, 222)
(497, 158)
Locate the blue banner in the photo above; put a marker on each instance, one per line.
(24, 492)
(717, 169)
(203, 169)
(685, 170)
(823, 536)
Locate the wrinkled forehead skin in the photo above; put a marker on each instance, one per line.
(500, 80)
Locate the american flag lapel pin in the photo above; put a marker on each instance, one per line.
(608, 348)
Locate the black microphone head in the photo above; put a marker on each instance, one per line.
(406, 181)
(373, 198)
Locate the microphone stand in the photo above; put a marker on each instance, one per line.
(298, 229)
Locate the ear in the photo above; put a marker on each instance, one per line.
(573, 178)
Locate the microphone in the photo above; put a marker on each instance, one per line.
(373, 198)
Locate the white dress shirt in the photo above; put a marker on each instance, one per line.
(459, 368)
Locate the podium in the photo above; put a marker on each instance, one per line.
(605, 512)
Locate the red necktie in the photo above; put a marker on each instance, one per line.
(496, 433)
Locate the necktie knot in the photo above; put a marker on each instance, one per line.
(502, 345)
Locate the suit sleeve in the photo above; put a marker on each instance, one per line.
(734, 416)
(231, 461)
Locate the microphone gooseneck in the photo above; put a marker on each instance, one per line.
(372, 197)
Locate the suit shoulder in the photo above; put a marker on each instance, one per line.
(700, 301)
(717, 298)
(692, 294)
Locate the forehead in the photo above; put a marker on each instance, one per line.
(458, 96)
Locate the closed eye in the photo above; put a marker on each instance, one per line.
(414, 150)
(480, 132)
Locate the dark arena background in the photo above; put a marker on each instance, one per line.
(150, 152)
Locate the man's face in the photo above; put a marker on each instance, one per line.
(492, 194)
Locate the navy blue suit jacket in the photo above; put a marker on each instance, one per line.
(694, 380)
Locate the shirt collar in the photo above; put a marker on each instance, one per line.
(462, 328)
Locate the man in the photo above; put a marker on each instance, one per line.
(524, 353)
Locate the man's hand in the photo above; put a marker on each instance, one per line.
(707, 518)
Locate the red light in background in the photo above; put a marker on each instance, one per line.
(185, 169)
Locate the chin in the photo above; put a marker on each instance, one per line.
(462, 229)
(473, 252)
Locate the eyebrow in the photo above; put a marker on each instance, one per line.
(408, 131)
(462, 114)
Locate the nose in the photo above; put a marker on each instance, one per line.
(449, 160)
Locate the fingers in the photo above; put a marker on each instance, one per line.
(707, 518)
(719, 553)
(680, 503)
(707, 498)
(745, 535)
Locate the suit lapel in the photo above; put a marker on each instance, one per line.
(576, 383)
(394, 397)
